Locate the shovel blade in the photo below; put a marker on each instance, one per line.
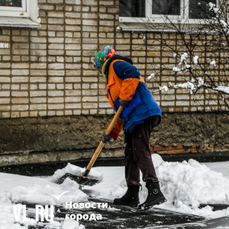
(82, 180)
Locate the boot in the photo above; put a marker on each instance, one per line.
(130, 198)
(154, 197)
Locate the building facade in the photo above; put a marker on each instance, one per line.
(53, 104)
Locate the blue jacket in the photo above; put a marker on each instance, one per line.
(125, 82)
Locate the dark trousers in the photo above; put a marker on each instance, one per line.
(138, 155)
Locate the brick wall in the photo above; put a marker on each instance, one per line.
(48, 71)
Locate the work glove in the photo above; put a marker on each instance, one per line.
(105, 138)
(123, 103)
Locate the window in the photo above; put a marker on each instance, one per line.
(132, 8)
(13, 8)
(165, 7)
(19, 13)
(200, 12)
(159, 10)
(11, 3)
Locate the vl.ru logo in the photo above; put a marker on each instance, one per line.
(42, 213)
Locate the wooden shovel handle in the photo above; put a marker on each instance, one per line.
(114, 120)
(101, 144)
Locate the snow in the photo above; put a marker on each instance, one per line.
(176, 69)
(151, 76)
(195, 60)
(221, 167)
(16, 189)
(189, 86)
(49, 193)
(187, 66)
(190, 184)
(223, 23)
(200, 82)
(182, 61)
(76, 170)
(70, 224)
(183, 57)
(224, 89)
(164, 88)
(185, 185)
(212, 7)
(213, 63)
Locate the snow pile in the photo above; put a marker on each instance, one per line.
(48, 194)
(75, 170)
(7, 219)
(38, 194)
(186, 185)
(118, 190)
(190, 183)
(5, 197)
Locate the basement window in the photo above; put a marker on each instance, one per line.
(19, 13)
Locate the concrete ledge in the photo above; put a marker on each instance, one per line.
(35, 157)
(67, 138)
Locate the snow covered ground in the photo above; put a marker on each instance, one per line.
(185, 184)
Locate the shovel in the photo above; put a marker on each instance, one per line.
(84, 180)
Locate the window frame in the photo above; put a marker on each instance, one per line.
(161, 18)
(158, 18)
(25, 16)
